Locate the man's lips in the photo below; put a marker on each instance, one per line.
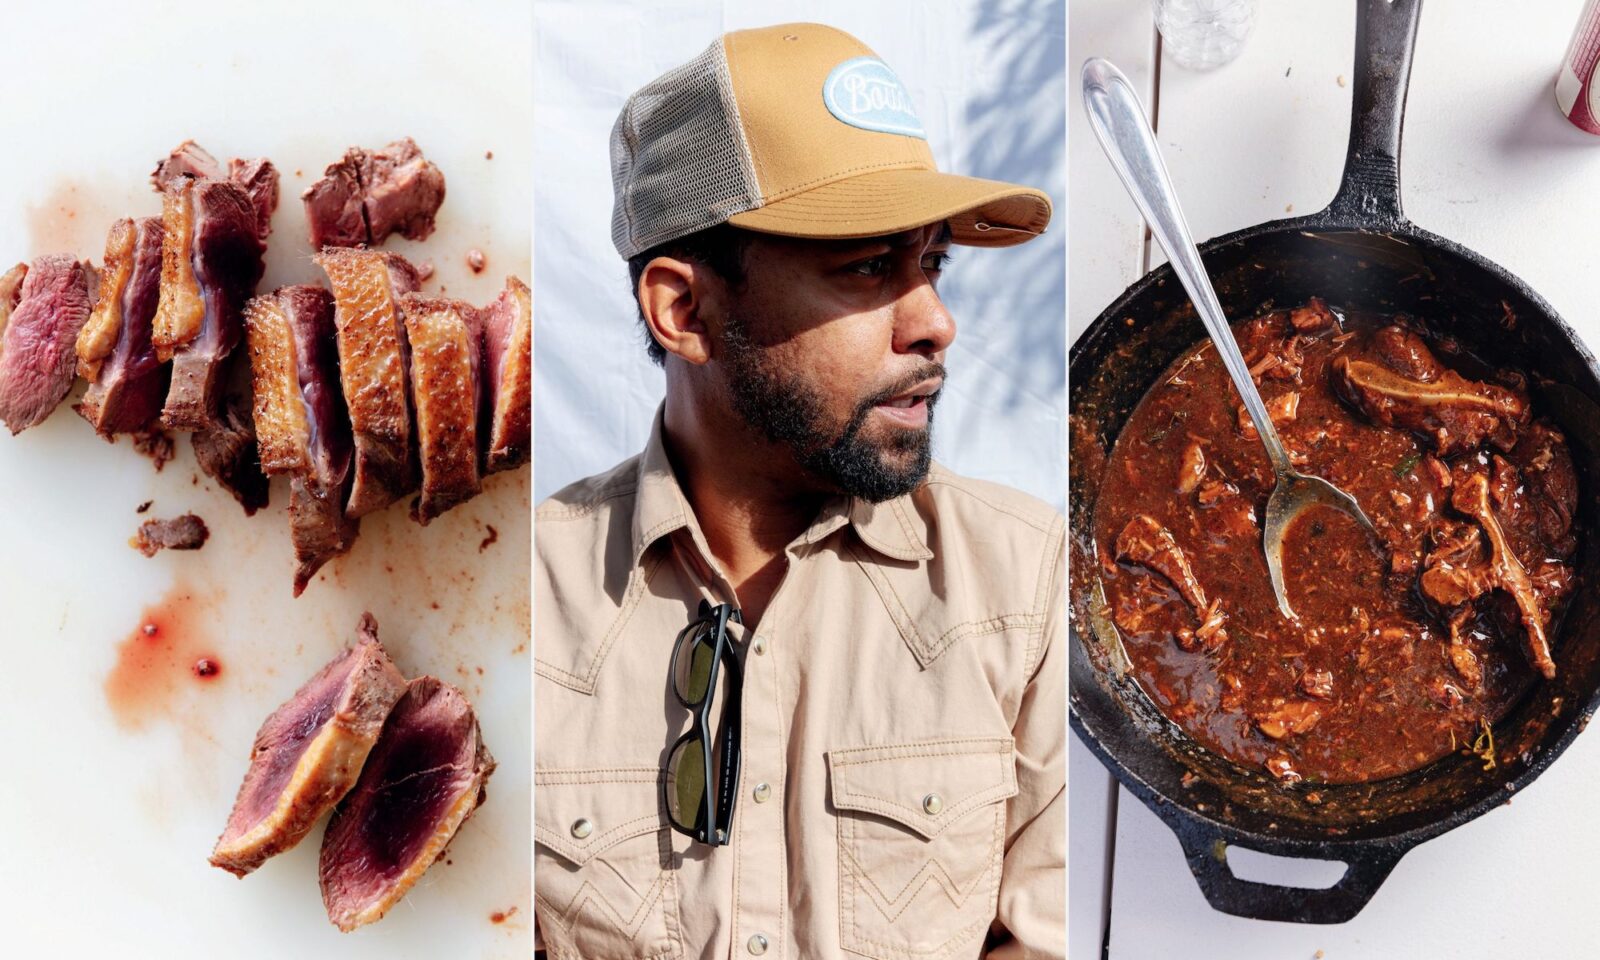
(910, 408)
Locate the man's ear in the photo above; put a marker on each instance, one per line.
(671, 296)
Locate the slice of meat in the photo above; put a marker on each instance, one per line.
(309, 753)
(127, 383)
(508, 377)
(1313, 318)
(1145, 542)
(1402, 384)
(210, 264)
(185, 532)
(1452, 585)
(259, 178)
(423, 780)
(38, 349)
(1192, 467)
(444, 339)
(303, 430)
(370, 194)
(372, 371)
(226, 448)
(1287, 719)
(188, 159)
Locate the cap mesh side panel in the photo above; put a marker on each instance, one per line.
(678, 158)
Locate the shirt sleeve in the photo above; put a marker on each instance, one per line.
(1030, 919)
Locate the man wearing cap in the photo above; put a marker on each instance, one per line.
(800, 690)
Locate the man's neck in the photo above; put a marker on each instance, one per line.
(743, 494)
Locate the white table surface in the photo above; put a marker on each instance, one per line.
(108, 812)
(1487, 161)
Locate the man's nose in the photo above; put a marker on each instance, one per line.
(922, 324)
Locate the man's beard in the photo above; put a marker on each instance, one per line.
(788, 411)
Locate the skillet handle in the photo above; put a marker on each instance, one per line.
(1205, 847)
(1386, 34)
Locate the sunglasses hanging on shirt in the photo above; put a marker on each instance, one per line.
(703, 766)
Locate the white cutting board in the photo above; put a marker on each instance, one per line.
(108, 811)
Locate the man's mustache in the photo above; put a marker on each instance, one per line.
(865, 407)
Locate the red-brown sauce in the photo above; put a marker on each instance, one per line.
(1378, 677)
(166, 653)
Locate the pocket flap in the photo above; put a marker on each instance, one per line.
(925, 785)
(614, 804)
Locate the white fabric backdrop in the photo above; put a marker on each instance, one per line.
(988, 80)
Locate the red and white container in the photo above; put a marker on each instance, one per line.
(1577, 86)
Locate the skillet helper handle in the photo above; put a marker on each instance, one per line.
(1205, 847)
(1386, 36)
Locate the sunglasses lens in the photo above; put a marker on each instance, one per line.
(686, 784)
(692, 673)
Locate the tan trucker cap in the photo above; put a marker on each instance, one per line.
(798, 130)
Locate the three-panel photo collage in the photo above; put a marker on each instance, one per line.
(621, 480)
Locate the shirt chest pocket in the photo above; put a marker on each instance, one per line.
(922, 829)
(603, 881)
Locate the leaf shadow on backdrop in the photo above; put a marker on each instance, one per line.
(1024, 42)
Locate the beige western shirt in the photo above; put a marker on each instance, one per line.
(901, 790)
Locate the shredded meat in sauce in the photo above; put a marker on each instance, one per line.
(1406, 643)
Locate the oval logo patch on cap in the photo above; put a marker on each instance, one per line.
(865, 93)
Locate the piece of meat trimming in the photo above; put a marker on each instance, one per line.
(211, 260)
(420, 784)
(507, 378)
(258, 177)
(127, 383)
(302, 426)
(444, 340)
(309, 753)
(368, 194)
(372, 369)
(38, 348)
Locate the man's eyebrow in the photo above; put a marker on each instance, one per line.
(945, 234)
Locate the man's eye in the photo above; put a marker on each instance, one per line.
(874, 267)
(935, 262)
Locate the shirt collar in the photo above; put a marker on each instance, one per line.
(890, 527)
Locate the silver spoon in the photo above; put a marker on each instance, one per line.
(1124, 133)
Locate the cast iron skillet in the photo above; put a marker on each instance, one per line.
(1359, 253)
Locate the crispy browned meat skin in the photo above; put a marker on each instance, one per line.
(38, 348)
(11, 292)
(309, 753)
(127, 382)
(372, 368)
(508, 378)
(1404, 385)
(1144, 541)
(185, 532)
(444, 338)
(302, 426)
(370, 194)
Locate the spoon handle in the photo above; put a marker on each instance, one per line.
(1125, 135)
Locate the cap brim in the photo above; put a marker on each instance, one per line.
(981, 213)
